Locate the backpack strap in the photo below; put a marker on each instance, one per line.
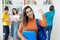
(41, 32)
(38, 26)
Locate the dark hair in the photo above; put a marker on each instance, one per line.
(6, 8)
(51, 8)
(13, 11)
(24, 16)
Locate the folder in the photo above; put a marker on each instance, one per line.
(29, 35)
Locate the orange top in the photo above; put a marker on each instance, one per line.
(31, 26)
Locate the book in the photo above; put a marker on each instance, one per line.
(29, 35)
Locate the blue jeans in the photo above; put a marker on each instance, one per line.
(14, 29)
(49, 29)
(6, 31)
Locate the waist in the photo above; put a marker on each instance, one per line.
(5, 23)
(30, 31)
(5, 26)
(27, 31)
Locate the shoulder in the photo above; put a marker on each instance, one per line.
(3, 14)
(53, 11)
(47, 12)
(38, 20)
(21, 25)
(18, 15)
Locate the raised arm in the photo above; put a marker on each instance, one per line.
(43, 21)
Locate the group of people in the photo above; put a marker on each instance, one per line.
(12, 21)
(28, 22)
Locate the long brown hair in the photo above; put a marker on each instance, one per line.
(24, 16)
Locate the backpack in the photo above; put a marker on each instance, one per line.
(41, 32)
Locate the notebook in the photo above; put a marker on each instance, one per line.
(29, 35)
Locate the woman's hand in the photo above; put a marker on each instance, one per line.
(24, 39)
(14, 19)
(40, 10)
(43, 21)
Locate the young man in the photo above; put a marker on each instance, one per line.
(5, 21)
(49, 18)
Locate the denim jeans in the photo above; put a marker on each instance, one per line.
(14, 29)
(49, 29)
(6, 31)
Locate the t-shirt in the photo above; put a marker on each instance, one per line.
(14, 17)
(49, 17)
(5, 17)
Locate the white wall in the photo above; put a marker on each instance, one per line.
(1, 28)
(56, 27)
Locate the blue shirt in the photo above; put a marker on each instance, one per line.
(49, 17)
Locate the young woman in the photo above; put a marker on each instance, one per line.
(14, 25)
(29, 22)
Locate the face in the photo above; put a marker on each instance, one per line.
(14, 11)
(6, 11)
(29, 13)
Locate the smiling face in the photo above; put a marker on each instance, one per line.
(14, 11)
(29, 13)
